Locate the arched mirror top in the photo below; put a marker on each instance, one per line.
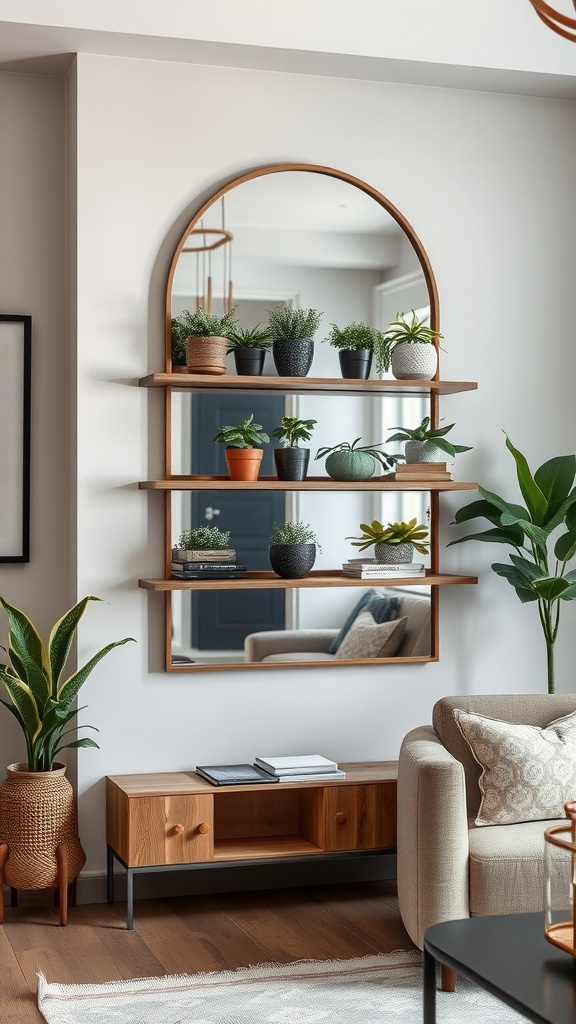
(293, 215)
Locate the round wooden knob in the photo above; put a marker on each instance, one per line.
(176, 830)
(340, 817)
(203, 828)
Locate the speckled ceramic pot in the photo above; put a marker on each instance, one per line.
(414, 361)
(293, 356)
(392, 554)
(423, 451)
(292, 561)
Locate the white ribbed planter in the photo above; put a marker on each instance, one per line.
(414, 361)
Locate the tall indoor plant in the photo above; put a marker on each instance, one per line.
(538, 570)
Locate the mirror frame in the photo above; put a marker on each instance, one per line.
(430, 280)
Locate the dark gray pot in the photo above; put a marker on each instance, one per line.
(291, 463)
(355, 363)
(292, 561)
(293, 356)
(249, 361)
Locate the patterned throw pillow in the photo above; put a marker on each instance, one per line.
(367, 638)
(528, 773)
(383, 609)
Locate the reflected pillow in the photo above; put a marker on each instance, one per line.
(367, 638)
(383, 609)
(528, 773)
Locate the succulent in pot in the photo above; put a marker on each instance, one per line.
(345, 461)
(243, 458)
(291, 461)
(201, 542)
(249, 347)
(395, 542)
(357, 344)
(410, 348)
(292, 332)
(292, 550)
(205, 336)
(426, 443)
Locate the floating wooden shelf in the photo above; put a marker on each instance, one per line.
(314, 483)
(301, 385)
(328, 578)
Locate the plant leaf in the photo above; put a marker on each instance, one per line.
(27, 652)
(565, 547)
(61, 638)
(70, 688)
(496, 536)
(555, 478)
(533, 496)
(551, 588)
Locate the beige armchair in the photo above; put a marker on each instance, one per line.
(449, 868)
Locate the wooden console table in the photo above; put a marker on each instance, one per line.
(176, 820)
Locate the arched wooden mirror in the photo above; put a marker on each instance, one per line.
(304, 236)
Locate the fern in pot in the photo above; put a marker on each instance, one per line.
(205, 336)
(356, 345)
(292, 332)
(291, 461)
(292, 550)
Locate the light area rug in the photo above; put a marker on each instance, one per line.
(369, 990)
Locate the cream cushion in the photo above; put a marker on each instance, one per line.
(368, 639)
(528, 772)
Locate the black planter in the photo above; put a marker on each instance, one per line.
(249, 361)
(355, 363)
(292, 561)
(293, 356)
(291, 463)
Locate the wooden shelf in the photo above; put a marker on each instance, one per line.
(328, 578)
(314, 483)
(301, 385)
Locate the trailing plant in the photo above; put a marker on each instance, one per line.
(241, 337)
(427, 433)
(285, 323)
(538, 571)
(385, 460)
(39, 701)
(246, 434)
(292, 533)
(201, 324)
(359, 335)
(393, 533)
(203, 538)
(411, 332)
(293, 430)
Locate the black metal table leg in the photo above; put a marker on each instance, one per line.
(429, 995)
(110, 874)
(129, 899)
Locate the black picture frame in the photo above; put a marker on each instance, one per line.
(15, 412)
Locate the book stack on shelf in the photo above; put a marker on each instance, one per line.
(413, 472)
(208, 565)
(371, 569)
(300, 768)
(234, 774)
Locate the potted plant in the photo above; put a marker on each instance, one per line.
(292, 549)
(426, 444)
(178, 339)
(39, 844)
(539, 575)
(291, 461)
(410, 348)
(357, 344)
(292, 332)
(203, 543)
(394, 542)
(206, 338)
(347, 461)
(242, 457)
(249, 347)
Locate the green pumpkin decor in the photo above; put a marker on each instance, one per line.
(348, 462)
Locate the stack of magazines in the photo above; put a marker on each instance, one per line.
(300, 768)
(208, 565)
(371, 569)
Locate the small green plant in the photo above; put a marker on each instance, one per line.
(292, 533)
(253, 337)
(393, 533)
(285, 323)
(246, 434)
(39, 701)
(293, 430)
(426, 433)
(200, 324)
(385, 460)
(412, 332)
(203, 538)
(359, 335)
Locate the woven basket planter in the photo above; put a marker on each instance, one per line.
(414, 361)
(37, 815)
(206, 355)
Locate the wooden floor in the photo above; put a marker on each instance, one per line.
(192, 934)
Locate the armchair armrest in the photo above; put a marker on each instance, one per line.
(432, 834)
(287, 641)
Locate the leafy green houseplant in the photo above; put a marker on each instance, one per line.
(292, 549)
(204, 338)
(539, 568)
(292, 332)
(410, 348)
(357, 344)
(291, 461)
(425, 443)
(243, 458)
(205, 539)
(395, 542)
(249, 347)
(349, 462)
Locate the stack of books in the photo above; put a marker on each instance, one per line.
(413, 472)
(370, 569)
(300, 768)
(207, 570)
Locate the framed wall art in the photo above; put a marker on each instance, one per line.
(15, 395)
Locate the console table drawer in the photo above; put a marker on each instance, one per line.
(172, 829)
(360, 817)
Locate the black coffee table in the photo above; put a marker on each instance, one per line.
(509, 957)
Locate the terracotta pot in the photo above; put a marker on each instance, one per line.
(206, 355)
(243, 463)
